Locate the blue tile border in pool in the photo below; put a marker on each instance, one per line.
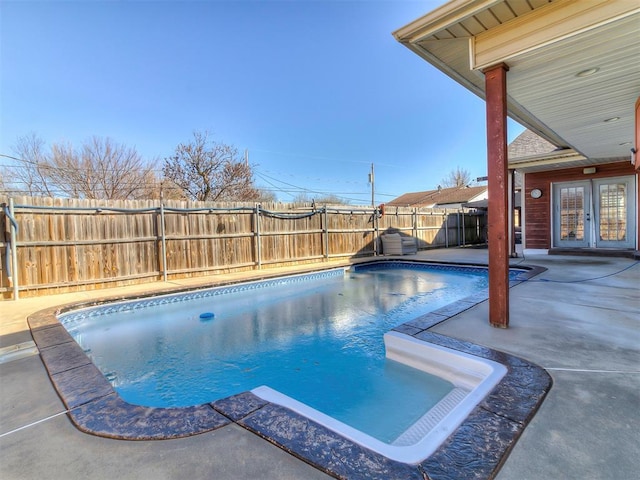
(73, 316)
(476, 449)
(419, 266)
(515, 273)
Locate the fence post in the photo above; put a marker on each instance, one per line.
(14, 251)
(415, 223)
(458, 227)
(325, 233)
(257, 237)
(164, 243)
(446, 229)
(464, 227)
(376, 231)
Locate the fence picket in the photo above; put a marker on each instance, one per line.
(72, 244)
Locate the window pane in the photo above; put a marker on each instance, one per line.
(572, 213)
(613, 212)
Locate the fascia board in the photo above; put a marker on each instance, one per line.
(450, 13)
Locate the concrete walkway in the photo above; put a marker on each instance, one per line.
(580, 320)
(583, 326)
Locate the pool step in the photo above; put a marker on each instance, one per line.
(429, 420)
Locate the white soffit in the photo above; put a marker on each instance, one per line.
(544, 93)
(577, 108)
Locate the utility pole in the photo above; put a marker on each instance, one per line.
(372, 181)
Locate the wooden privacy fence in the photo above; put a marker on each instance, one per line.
(68, 244)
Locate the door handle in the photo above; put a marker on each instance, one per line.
(588, 217)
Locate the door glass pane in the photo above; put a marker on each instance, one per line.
(613, 212)
(572, 213)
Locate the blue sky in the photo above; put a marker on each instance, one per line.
(316, 91)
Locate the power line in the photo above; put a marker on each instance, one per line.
(299, 189)
(292, 190)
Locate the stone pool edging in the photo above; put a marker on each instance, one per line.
(476, 449)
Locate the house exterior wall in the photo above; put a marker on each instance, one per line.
(537, 212)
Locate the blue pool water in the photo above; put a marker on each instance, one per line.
(318, 340)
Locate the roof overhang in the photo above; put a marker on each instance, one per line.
(574, 66)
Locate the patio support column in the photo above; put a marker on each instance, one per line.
(512, 217)
(498, 228)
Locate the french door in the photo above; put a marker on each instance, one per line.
(597, 213)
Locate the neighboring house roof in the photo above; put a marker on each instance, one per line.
(440, 197)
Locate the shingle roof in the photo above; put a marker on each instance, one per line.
(528, 144)
(438, 197)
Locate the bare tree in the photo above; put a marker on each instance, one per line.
(100, 169)
(266, 196)
(322, 199)
(4, 189)
(209, 171)
(29, 175)
(457, 178)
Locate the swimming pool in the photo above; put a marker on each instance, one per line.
(302, 335)
(315, 343)
(478, 445)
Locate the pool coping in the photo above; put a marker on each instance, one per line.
(476, 449)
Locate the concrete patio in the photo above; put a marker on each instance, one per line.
(580, 320)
